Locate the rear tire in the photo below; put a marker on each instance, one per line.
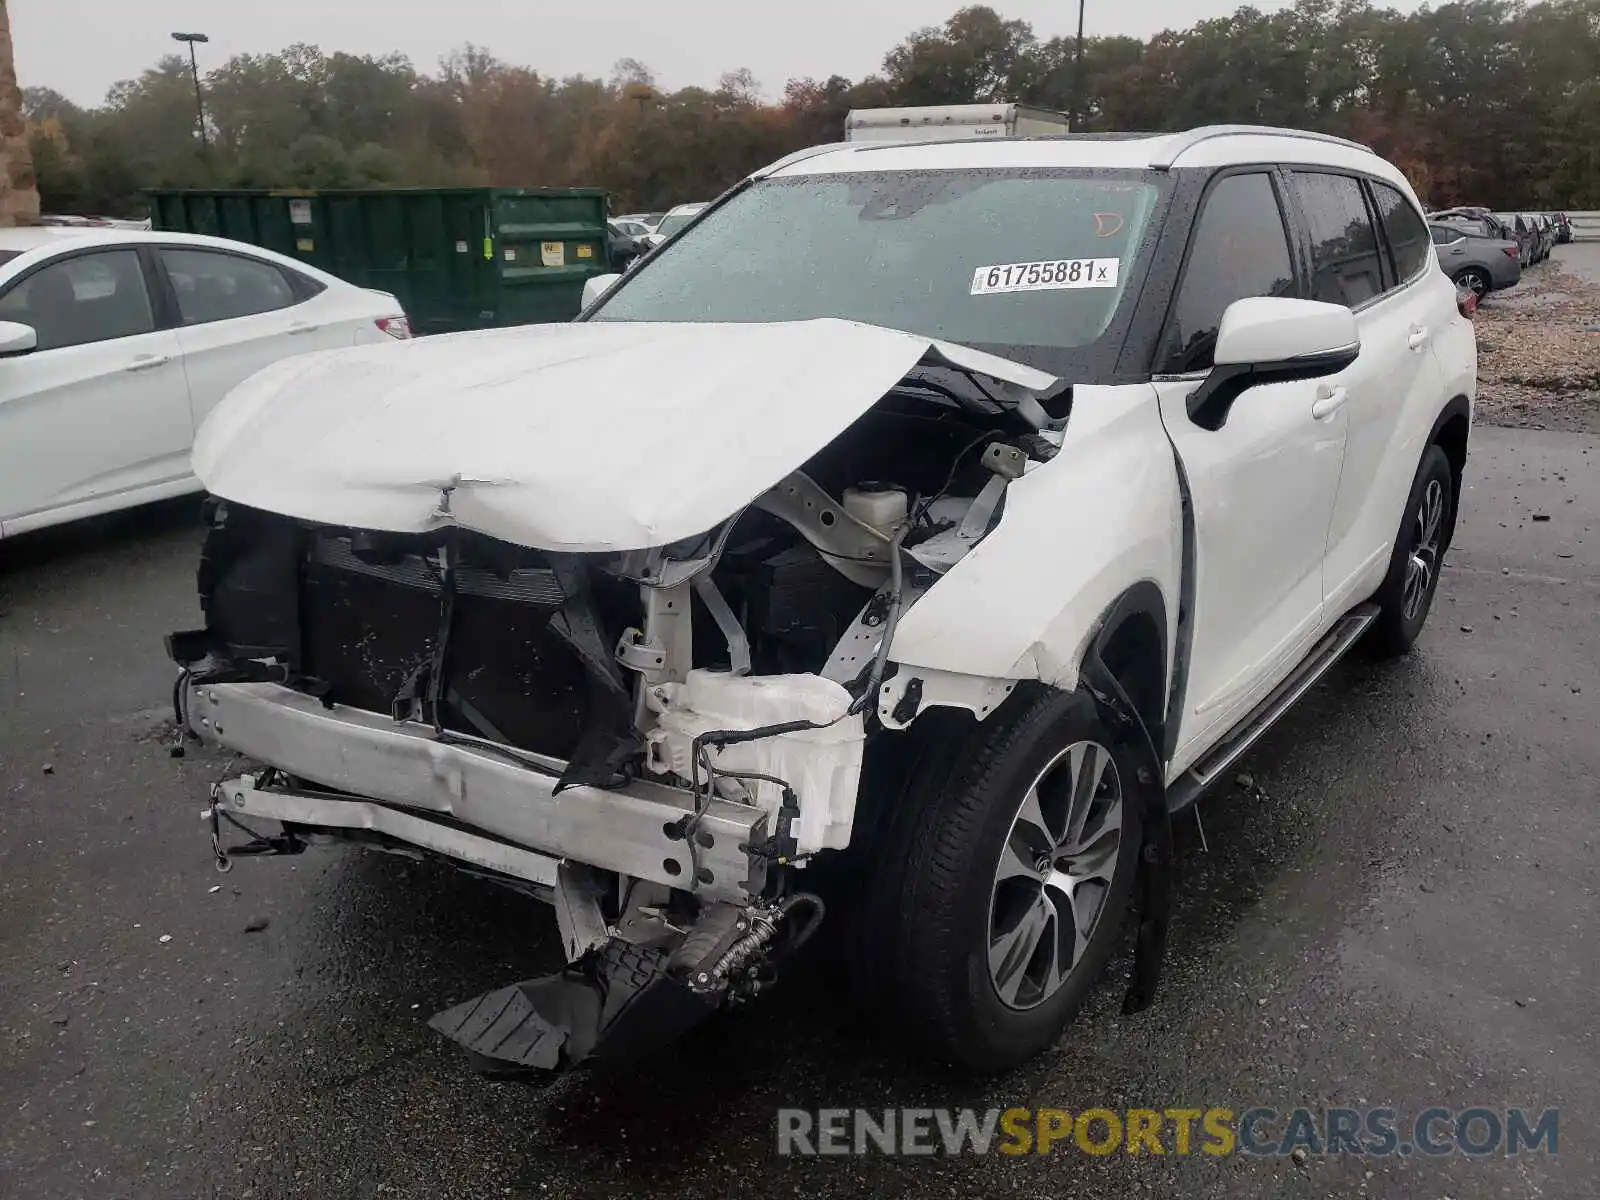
(1407, 593)
(1476, 280)
(1002, 882)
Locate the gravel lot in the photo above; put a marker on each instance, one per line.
(1539, 346)
(1399, 909)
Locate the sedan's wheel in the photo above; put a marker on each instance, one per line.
(1000, 885)
(1476, 280)
(1054, 874)
(1408, 590)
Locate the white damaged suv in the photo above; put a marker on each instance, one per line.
(913, 567)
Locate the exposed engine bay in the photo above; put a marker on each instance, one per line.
(740, 669)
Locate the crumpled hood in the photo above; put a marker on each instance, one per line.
(596, 436)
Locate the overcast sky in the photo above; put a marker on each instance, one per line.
(80, 47)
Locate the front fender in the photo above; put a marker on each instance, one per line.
(1077, 532)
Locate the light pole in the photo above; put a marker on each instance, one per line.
(194, 71)
(1077, 74)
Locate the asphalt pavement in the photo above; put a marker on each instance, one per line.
(1398, 908)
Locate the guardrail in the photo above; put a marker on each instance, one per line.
(1585, 226)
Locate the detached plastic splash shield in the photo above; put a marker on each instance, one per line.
(616, 1005)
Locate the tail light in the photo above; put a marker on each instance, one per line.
(1467, 302)
(1511, 252)
(395, 327)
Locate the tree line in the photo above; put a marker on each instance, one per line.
(1487, 101)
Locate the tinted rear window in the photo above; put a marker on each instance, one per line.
(1346, 266)
(1405, 229)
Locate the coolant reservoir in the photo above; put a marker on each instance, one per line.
(880, 506)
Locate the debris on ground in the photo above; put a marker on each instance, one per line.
(256, 924)
(1539, 353)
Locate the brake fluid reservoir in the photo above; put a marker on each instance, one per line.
(879, 505)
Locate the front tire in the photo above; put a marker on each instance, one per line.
(1406, 596)
(1018, 867)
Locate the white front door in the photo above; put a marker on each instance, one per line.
(1261, 487)
(238, 314)
(100, 409)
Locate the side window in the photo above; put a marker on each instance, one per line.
(88, 298)
(1405, 229)
(221, 287)
(303, 285)
(1239, 250)
(1345, 264)
(1443, 237)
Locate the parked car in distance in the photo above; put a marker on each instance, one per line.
(626, 243)
(1563, 228)
(1545, 233)
(945, 547)
(1517, 231)
(116, 344)
(1552, 233)
(1477, 220)
(1480, 264)
(675, 220)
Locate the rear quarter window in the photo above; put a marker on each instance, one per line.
(1406, 231)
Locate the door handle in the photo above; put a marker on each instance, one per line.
(1419, 338)
(1329, 401)
(145, 362)
(303, 327)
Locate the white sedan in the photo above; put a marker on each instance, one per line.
(115, 344)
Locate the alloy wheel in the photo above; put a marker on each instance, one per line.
(1422, 568)
(1055, 872)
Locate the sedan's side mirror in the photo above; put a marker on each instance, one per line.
(1271, 339)
(597, 286)
(17, 339)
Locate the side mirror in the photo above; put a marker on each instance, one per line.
(597, 286)
(1269, 339)
(17, 339)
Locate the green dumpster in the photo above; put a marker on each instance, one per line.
(457, 258)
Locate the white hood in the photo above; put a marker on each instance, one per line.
(597, 436)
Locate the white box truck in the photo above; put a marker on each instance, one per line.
(939, 122)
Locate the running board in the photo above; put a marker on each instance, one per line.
(1193, 783)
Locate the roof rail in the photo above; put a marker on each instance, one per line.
(1182, 143)
(788, 160)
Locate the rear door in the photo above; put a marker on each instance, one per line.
(237, 313)
(100, 408)
(1401, 304)
(1261, 487)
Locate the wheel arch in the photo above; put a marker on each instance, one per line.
(1131, 639)
(1134, 644)
(1452, 429)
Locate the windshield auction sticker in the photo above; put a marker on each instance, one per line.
(1058, 275)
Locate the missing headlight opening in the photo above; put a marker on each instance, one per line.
(740, 667)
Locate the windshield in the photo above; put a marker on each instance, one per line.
(1028, 264)
(672, 222)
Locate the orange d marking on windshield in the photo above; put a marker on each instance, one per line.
(1107, 224)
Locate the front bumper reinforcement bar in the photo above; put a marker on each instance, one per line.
(469, 803)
